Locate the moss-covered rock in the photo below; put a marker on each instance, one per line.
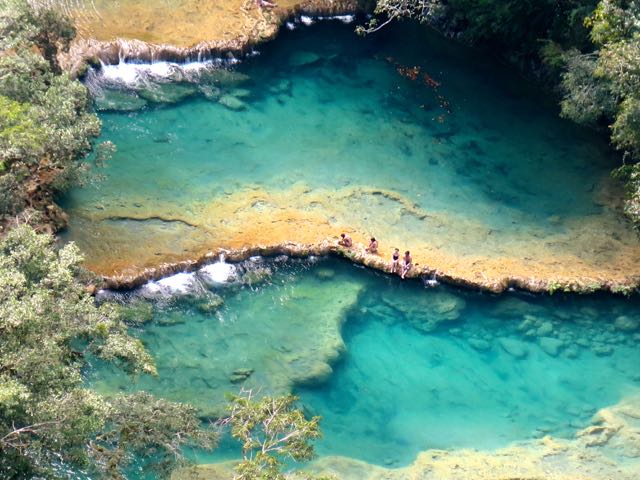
(137, 312)
(210, 303)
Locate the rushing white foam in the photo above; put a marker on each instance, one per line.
(342, 18)
(219, 273)
(307, 20)
(176, 285)
(132, 74)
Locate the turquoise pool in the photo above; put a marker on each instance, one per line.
(392, 367)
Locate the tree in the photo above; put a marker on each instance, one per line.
(46, 122)
(271, 431)
(36, 23)
(49, 328)
(605, 86)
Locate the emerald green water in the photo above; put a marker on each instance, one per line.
(393, 368)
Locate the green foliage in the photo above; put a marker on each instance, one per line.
(588, 96)
(631, 175)
(422, 10)
(605, 85)
(49, 326)
(271, 430)
(25, 24)
(46, 123)
(614, 21)
(144, 427)
(517, 28)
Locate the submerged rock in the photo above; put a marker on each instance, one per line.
(168, 92)
(240, 375)
(545, 329)
(479, 344)
(325, 273)
(210, 92)
(210, 304)
(240, 93)
(304, 58)
(221, 77)
(602, 350)
(281, 86)
(551, 346)
(137, 312)
(256, 275)
(626, 324)
(232, 103)
(118, 101)
(514, 347)
(426, 310)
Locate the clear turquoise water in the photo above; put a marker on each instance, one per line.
(392, 367)
(412, 368)
(329, 109)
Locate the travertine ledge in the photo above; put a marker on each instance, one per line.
(198, 30)
(358, 256)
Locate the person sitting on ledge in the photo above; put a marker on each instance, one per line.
(395, 261)
(345, 240)
(407, 264)
(373, 246)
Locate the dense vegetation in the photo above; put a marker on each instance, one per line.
(588, 50)
(46, 123)
(49, 328)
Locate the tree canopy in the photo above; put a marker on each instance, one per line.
(271, 430)
(49, 328)
(46, 122)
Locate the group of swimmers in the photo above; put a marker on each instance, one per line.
(395, 266)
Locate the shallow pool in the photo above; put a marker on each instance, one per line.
(392, 367)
